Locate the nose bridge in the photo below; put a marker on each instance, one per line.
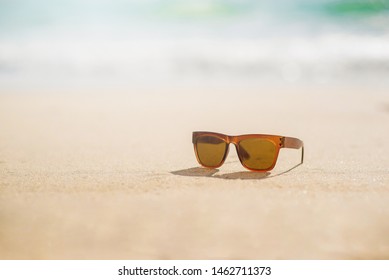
(233, 140)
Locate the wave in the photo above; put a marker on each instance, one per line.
(171, 41)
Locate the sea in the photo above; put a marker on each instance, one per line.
(104, 44)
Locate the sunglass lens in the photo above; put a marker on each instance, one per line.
(257, 153)
(210, 150)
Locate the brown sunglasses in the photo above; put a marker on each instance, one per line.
(256, 152)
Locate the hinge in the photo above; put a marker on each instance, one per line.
(282, 142)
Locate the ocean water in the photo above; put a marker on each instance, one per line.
(117, 43)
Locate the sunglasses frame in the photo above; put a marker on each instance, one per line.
(279, 142)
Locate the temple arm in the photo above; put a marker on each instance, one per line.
(294, 143)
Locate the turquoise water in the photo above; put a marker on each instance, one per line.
(140, 42)
(254, 17)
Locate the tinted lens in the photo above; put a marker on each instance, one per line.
(210, 150)
(257, 153)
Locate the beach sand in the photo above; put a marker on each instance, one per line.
(113, 175)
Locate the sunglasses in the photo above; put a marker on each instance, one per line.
(256, 152)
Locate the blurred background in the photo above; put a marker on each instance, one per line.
(105, 44)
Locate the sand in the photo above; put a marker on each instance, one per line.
(113, 175)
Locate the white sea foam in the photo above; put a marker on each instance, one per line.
(325, 58)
